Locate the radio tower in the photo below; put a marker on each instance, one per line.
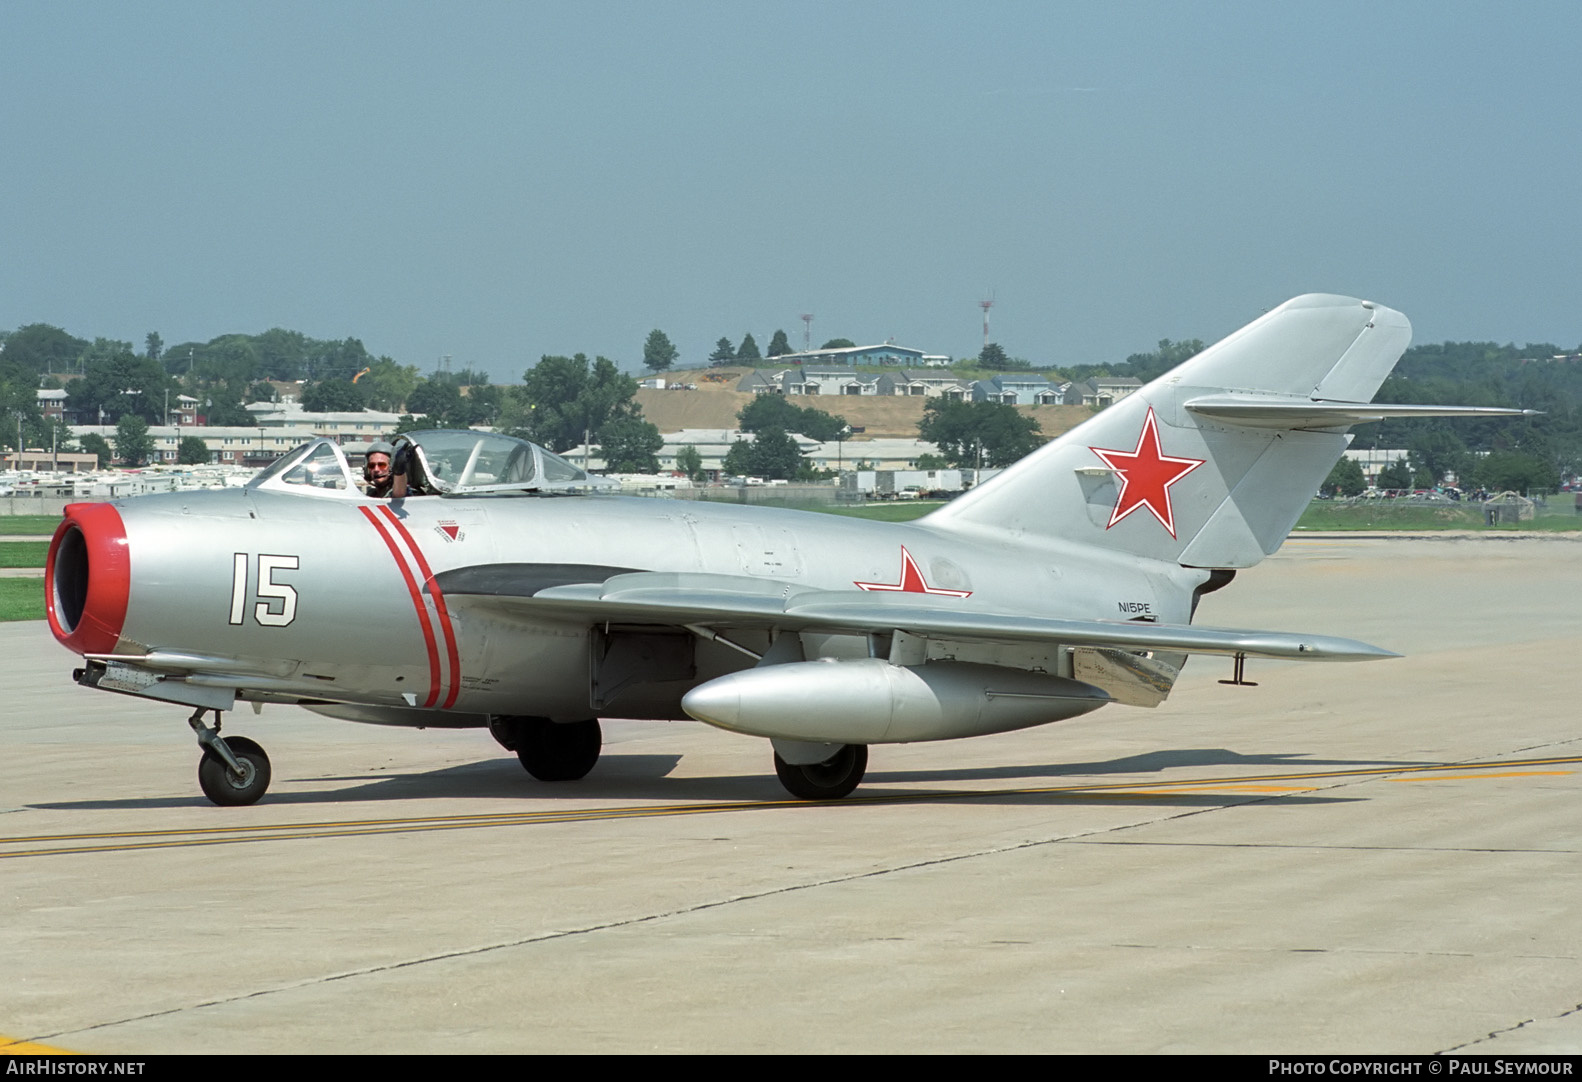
(986, 305)
(807, 331)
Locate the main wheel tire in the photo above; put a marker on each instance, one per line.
(832, 779)
(225, 788)
(558, 752)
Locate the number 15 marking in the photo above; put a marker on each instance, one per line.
(272, 593)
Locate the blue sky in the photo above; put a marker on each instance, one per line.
(500, 181)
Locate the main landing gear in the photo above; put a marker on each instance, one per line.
(831, 779)
(232, 772)
(566, 751)
(548, 750)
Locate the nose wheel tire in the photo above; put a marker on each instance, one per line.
(230, 790)
(832, 779)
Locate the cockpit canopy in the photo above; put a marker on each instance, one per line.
(446, 462)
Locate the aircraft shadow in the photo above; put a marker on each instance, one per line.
(646, 777)
(1151, 762)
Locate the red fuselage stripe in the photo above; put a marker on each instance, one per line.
(446, 629)
(417, 603)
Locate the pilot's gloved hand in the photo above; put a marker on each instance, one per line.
(403, 459)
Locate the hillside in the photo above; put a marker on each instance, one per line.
(715, 405)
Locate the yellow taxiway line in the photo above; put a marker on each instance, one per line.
(39, 845)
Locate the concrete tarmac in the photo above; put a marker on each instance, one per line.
(1378, 857)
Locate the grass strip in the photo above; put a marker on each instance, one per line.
(21, 599)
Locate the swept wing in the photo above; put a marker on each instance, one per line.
(723, 601)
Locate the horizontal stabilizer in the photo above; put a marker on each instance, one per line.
(1302, 413)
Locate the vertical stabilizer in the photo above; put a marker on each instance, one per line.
(1152, 476)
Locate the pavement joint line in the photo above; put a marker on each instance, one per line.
(1512, 1029)
(1491, 1035)
(550, 936)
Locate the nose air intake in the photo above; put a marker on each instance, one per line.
(88, 578)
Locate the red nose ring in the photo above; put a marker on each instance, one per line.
(88, 578)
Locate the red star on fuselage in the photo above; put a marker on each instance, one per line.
(1146, 475)
(911, 581)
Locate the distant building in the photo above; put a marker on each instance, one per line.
(1099, 392)
(825, 380)
(350, 426)
(846, 357)
(821, 380)
(52, 404)
(1019, 389)
(755, 382)
(713, 444)
(41, 461)
(228, 446)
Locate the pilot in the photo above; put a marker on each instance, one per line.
(400, 467)
(376, 470)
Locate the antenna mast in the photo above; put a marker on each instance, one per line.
(986, 305)
(807, 331)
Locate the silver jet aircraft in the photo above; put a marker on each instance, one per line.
(495, 596)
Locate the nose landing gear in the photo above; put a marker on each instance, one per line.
(232, 772)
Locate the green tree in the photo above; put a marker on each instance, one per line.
(1515, 471)
(282, 354)
(724, 352)
(992, 356)
(387, 384)
(563, 397)
(1148, 366)
(767, 411)
(839, 343)
(970, 434)
(222, 404)
(482, 404)
(440, 400)
(1397, 475)
(748, 350)
(192, 451)
(336, 360)
(1435, 452)
(19, 402)
(133, 445)
(333, 396)
(153, 345)
(689, 462)
(1345, 479)
(771, 454)
(117, 381)
(630, 445)
(658, 352)
(39, 348)
(95, 444)
(778, 346)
